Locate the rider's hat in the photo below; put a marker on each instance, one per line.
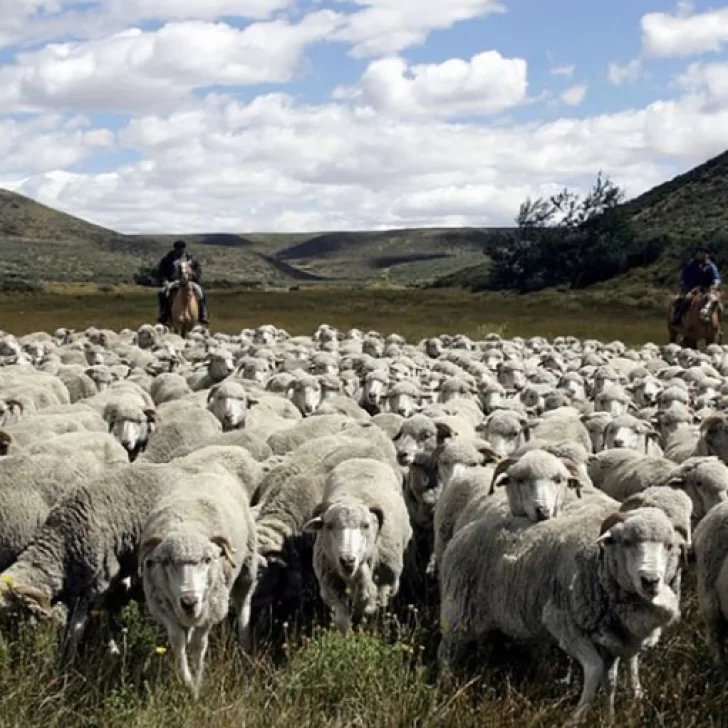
(702, 249)
(179, 245)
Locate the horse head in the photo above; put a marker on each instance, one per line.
(184, 271)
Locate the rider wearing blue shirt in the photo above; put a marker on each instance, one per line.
(699, 272)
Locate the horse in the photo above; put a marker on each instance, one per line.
(694, 325)
(183, 300)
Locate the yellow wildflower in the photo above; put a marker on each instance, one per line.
(160, 650)
(7, 579)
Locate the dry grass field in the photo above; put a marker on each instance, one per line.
(414, 313)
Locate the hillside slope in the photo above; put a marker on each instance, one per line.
(669, 219)
(39, 243)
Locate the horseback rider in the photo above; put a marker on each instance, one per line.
(166, 275)
(698, 273)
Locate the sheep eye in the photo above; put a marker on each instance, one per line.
(149, 563)
(206, 559)
(365, 526)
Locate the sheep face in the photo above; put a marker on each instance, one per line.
(146, 337)
(610, 402)
(647, 391)
(705, 481)
(505, 431)
(403, 404)
(133, 432)
(229, 409)
(347, 535)
(629, 436)
(512, 376)
(422, 491)
(535, 484)
(714, 431)
(373, 390)
(418, 439)
(11, 410)
(641, 552)
(181, 569)
(220, 366)
(306, 395)
(491, 397)
(256, 370)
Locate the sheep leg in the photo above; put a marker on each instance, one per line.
(342, 618)
(198, 642)
(609, 683)
(368, 589)
(634, 677)
(178, 640)
(242, 598)
(583, 651)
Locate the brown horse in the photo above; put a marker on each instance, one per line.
(695, 326)
(184, 305)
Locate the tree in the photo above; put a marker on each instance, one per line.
(565, 239)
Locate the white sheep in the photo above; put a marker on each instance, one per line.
(598, 583)
(362, 530)
(197, 554)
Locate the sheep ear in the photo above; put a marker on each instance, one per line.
(211, 393)
(6, 440)
(379, 513)
(15, 406)
(444, 431)
(500, 476)
(314, 525)
(397, 436)
(151, 416)
(227, 549)
(609, 525)
(676, 481)
(488, 453)
(574, 480)
(147, 547)
(252, 399)
(687, 554)
(712, 423)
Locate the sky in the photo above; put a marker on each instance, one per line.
(182, 116)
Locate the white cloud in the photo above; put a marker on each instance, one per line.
(565, 71)
(24, 21)
(628, 73)
(574, 95)
(707, 81)
(137, 69)
(274, 164)
(48, 142)
(385, 27)
(486, 84)
(684, 34)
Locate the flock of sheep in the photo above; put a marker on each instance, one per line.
(545, 492)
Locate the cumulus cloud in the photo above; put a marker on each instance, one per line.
(275, 164)
(26, 21)
(385, 27)
(486, 84)
(574, 95)
(707, 81)
(685, 33)
(628, 73)
(137, 69)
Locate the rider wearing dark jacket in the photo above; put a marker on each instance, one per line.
(166, 273)
(699, 272)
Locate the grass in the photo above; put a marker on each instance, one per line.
(379, 676)
(414, 313)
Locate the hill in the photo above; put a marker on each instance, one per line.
(38, 243)
(669, 220)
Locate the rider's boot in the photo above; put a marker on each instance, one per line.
(204, 319)
(164, 312)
